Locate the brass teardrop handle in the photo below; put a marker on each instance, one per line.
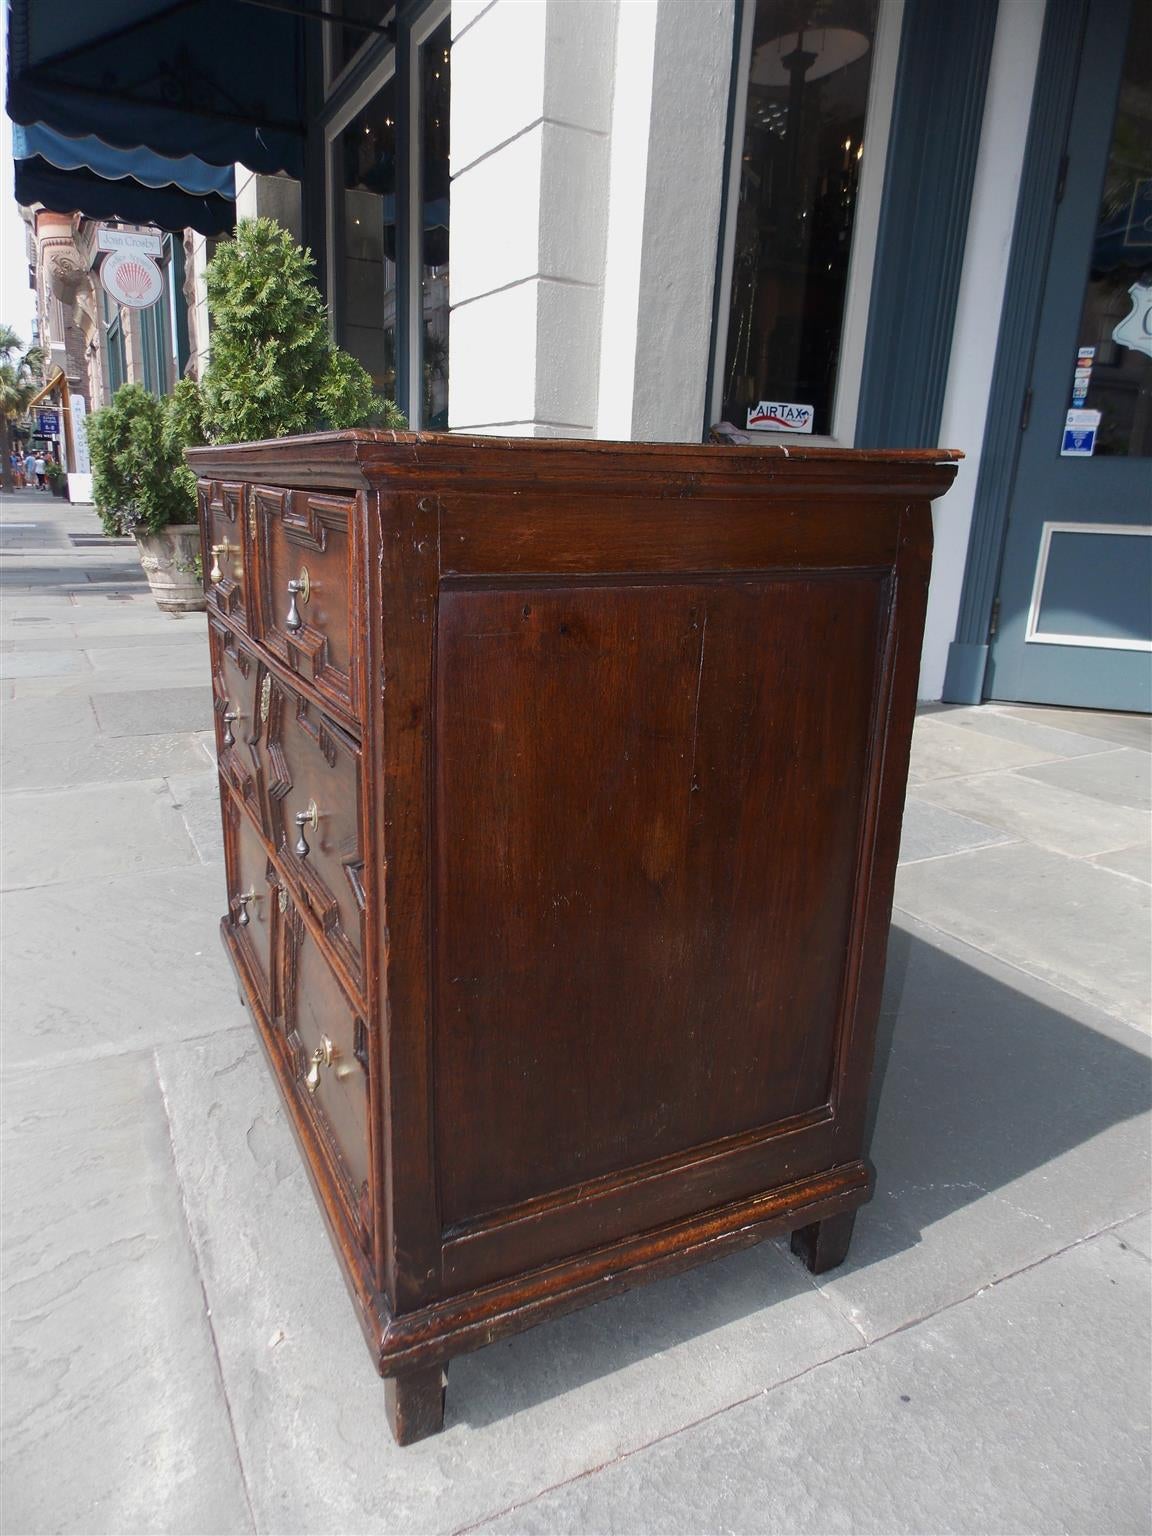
(216, 573)
(321, 1057)
(302, 588)
(229, 716)
(242, 901)
(308, 818)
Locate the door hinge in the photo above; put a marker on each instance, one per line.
(1026, 409)
(994, 619)
(1061, 178)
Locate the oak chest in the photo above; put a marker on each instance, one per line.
(561, 787)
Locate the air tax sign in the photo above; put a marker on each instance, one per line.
(780, 416)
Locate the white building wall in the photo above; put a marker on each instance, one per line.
(1008, 105)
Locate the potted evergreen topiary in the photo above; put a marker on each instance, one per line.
(142, 487)
(57, 478)
(275, 369)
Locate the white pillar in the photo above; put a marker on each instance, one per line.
(531, 83)
(1003, 135)
(587, 164)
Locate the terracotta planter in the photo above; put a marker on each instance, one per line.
(171, 563)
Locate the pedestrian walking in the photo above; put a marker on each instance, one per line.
(16, 461)
(41, 470)
(29, 469)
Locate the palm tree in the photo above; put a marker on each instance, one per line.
(19, 380)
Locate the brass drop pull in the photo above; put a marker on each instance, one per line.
(308, 818)
(321, 1057)
(229, 716)
(216, 573)
(242, 901)
(302, 588)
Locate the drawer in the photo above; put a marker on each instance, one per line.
(253, 892)
(313, 795)
(328, 1050)
(239, 691)
(226, 549)
(305, 563)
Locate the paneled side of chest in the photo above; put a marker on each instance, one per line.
(286, 642)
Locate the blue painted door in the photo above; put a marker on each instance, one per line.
(1074, 622)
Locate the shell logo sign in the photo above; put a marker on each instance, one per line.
(132, 279)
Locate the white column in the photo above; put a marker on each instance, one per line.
(678, 63)
(587, 164)
(1003, 134)
(531, 83)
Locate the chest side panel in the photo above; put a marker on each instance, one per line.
(648, 809)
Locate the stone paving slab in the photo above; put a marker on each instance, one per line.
(105, 760)
(136, 712)
(522, 1414)
(114, 1414)
(77, 637)
(197, 798)
(1118, 778)
(1137, 1234)
(34, 663)
(48, 722)
(930, 832)
(1135, 862)
(942, 750)
(85, 831)
(1124, 730)
(938, 1429)
(93, 967)
(1049, 816)
(1012, 1120)
(1066, 921)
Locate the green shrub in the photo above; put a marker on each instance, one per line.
(139, 479)
(274, 369)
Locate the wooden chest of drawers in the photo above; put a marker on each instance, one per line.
(561, 787)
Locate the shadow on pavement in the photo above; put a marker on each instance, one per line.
(977, 1084)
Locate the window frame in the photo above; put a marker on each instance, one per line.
(865, 224)
(397, 60)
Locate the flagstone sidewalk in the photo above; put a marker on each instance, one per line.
(179, 1351)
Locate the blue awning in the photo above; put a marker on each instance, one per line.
(150, 170)
(88, 176)
(221, 78)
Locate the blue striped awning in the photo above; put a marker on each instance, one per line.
(85, 175)
(223, 79)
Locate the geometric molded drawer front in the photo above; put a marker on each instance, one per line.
(225, 535)
(251, 897)
(327, 1043)
(236, 693)
(1093, 587)
(304, 545)
(312, 772)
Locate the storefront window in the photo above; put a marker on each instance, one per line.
(435, 57)
(115, 354)
(1114, 348)
(802, 147)
(347, 38)
(366, 296)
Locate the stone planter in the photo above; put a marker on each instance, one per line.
(171, 563)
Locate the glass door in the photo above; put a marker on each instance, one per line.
(1075, 595)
